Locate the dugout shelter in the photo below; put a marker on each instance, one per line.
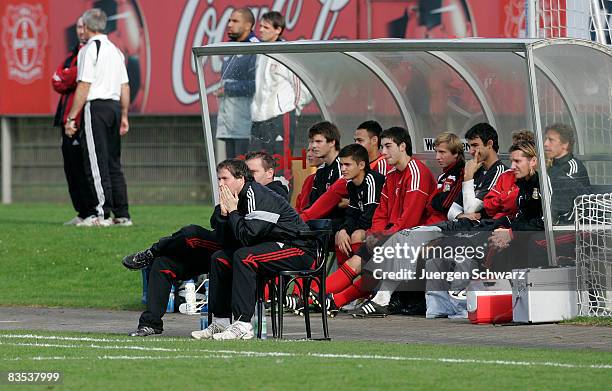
(431, 86)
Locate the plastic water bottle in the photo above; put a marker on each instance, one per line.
(145, 284)
(264, 331)
(204, 317)
(170, 307)
(189, 307)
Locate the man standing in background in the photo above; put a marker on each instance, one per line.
(103, 94)
(279, 95)
(237, 88)
(64, 82)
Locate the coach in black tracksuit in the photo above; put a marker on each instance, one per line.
(104, 95)
(264, 227)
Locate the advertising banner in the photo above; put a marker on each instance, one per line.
(157, 37)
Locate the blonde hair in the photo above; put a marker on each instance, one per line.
(527, 147)
(454, 143)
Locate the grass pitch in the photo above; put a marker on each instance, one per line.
(89, 361)
(47, 264)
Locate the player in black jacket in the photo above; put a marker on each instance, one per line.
(262, 164)
(182, 256)
(364, 187)
(264, 227)
(568, 176)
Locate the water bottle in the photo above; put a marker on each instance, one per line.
(264, 331)
(204, 316)
(145, 284)
(170, 307)
(254, 323)
(189, 306)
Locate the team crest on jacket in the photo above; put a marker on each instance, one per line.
(24, 38)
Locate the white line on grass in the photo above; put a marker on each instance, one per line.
(88, 339)
(237, 353)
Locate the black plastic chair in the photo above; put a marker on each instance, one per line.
(320, 232)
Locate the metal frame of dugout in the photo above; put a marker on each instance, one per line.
(545, 81)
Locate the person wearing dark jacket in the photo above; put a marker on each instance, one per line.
(443, 298)
(262, 164)
(568, 176)
(237, 87)
(182, 256)
(264, 228)
(64, 82)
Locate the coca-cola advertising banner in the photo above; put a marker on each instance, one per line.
(157, 37)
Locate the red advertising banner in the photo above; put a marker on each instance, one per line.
(157, 37)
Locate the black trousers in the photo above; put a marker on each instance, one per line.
(102, 154)
(182, 256)
(74, 169)
(233, 276)
(275, 135)
(235, 147)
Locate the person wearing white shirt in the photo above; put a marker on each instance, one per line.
(279, 95)
(103, 93)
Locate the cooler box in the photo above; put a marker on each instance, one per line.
(544, 295)
(489, 301)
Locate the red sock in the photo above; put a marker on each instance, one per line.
(341, 257)
(340, 279)
(351, 293)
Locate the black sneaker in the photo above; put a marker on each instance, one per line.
(139, 260)
(330, 306)
(294, 303)
(144, 331)
(369, 309)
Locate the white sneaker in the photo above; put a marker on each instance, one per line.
(95, 221)
(74, 221)
(236, 330)
(122, 222)
(213, 329)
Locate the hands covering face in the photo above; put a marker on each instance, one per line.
(227, 200)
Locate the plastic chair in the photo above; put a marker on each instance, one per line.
(320, 232)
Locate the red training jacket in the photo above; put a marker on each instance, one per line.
(403, 199)
(500, 201)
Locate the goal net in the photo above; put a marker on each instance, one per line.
(594, 254)
(585, 19)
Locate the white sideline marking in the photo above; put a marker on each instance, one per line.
(89, 339)
(237, 353)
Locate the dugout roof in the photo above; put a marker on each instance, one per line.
(431, 86)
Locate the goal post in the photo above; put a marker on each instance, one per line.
(594, 254)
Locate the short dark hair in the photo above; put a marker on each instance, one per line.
(373, 128)
(485, 132)
(238, 168)
(267, 161)
(398, 135)
(247, 14)
(276, 19)
(327, 130)
(566, 134)
(357, 152)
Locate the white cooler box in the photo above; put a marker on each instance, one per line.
(544, 295)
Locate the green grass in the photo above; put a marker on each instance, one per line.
(47, 264)
(603, 321)
(90, 361)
